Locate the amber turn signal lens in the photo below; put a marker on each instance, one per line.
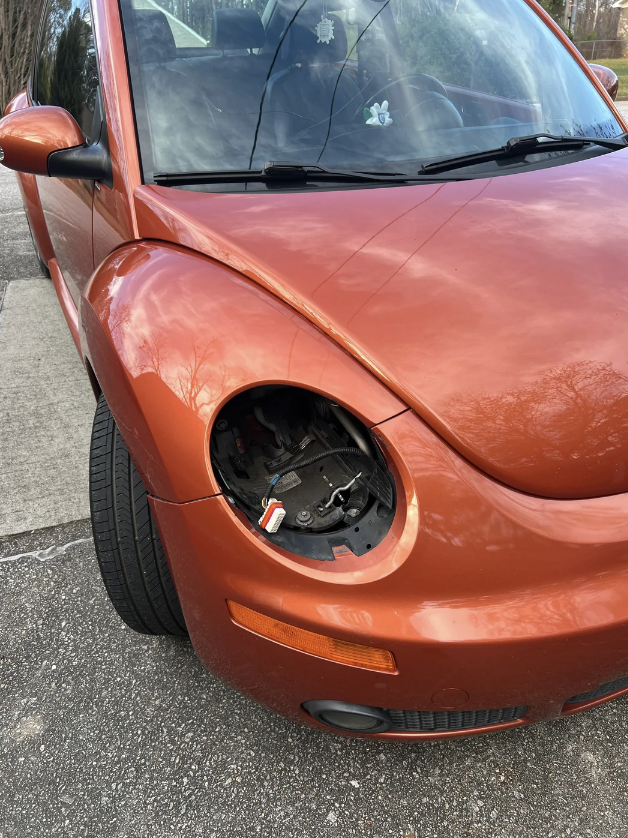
(351, 654)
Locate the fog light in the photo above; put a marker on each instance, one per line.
(350, 717)
(319, 645)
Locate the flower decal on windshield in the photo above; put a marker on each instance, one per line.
(378, 115)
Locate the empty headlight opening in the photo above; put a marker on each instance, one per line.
(316, 459)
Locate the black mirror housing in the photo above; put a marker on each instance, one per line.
(86, 162)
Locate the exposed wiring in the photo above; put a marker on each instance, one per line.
(341, 489)
(310, 461)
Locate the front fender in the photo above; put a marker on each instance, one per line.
(171, 336)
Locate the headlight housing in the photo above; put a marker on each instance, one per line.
(321, 466)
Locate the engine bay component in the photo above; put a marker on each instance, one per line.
(338, 492)
(331, 490)
(273, 516)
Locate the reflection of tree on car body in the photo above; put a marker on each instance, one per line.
(66, 72)
(580, 407)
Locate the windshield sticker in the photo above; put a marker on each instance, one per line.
(325, 30)
(378, 115)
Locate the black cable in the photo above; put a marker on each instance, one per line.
(270, 70)
(310, 461)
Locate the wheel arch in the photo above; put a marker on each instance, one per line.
(170, 336)
(96, 388)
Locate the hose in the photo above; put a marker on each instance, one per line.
(351, 428)
(259, 415)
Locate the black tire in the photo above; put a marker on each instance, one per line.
(43, 267)
(129, 551)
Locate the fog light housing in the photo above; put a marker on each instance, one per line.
(352, 718)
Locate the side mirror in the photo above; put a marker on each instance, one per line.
(47, 141)
(608, 79)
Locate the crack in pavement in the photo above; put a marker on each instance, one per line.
(53, 552)
(3, 288)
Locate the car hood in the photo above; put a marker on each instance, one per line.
(497, 309)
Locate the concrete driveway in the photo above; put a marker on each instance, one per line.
(108, 733)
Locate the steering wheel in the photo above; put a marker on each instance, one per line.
(434, 111)
(425, 82)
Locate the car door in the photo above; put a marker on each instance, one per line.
(66, 75)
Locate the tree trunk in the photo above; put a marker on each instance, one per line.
(18, 22)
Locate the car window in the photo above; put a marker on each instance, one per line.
(370, 84)
(464, 44)
(190, 22)
(66, 70)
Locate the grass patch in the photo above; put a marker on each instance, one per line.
(620, 66)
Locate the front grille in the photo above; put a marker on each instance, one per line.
(600, 692)
(442, 720)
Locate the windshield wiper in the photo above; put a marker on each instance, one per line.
(313, 171)
(288, 173)
(521, 147)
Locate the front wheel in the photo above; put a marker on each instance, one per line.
(129, 551)
(43, 267)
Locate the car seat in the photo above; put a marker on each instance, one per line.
(177, 114)
(314, 88)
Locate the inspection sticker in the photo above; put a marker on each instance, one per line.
(288, 481)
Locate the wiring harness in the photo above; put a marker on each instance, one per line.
(355, 452)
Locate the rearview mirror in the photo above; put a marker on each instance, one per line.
(47, 141)
(608, 79)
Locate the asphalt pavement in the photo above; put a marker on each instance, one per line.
(104, 732)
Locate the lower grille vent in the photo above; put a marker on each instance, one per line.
(599, 692)
(443, 720)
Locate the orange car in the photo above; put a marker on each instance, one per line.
(348, 280)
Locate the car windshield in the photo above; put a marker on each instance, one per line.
(359, 85)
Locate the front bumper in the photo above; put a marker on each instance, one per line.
(489, 599)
